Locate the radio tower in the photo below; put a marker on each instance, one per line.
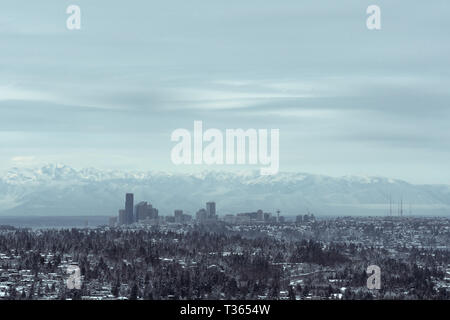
(390, 205)
(401, 208)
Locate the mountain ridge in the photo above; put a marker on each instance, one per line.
(57, 189)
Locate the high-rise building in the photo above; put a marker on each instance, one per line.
(211, 210)
(201, 215)
(141, 211)
(149, 214)
(129, 199)
(122, 217)
(179, 216)
(154, 214)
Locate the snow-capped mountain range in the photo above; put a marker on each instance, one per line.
(62, 190)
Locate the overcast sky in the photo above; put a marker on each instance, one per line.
(346, 100)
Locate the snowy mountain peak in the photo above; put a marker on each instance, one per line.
(61, 189)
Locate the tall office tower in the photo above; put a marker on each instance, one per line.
(129, 199)
(211, 210)
(149, 211)
(152, 213)
(179, 216)
(122, 217)
(141, 211)
(201, 214)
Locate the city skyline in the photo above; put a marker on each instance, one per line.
(62, 190)
(144, 213)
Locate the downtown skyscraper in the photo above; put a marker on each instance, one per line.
(129, 200)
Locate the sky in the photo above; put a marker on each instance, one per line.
(347, 100)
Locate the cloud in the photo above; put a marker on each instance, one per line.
(12, 92)
(23, 160)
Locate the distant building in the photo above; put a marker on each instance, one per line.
(149, 213)
(178, 216)
(112, 221)
(187, 217)
(309, 218)
(230, 218)
(254, 217)
(141, 211)
(154, 213)
(201, 215)
(299, 219)
(122, 217)
(129, 199)
(260, 215)
(211, 210)
(242, 217)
